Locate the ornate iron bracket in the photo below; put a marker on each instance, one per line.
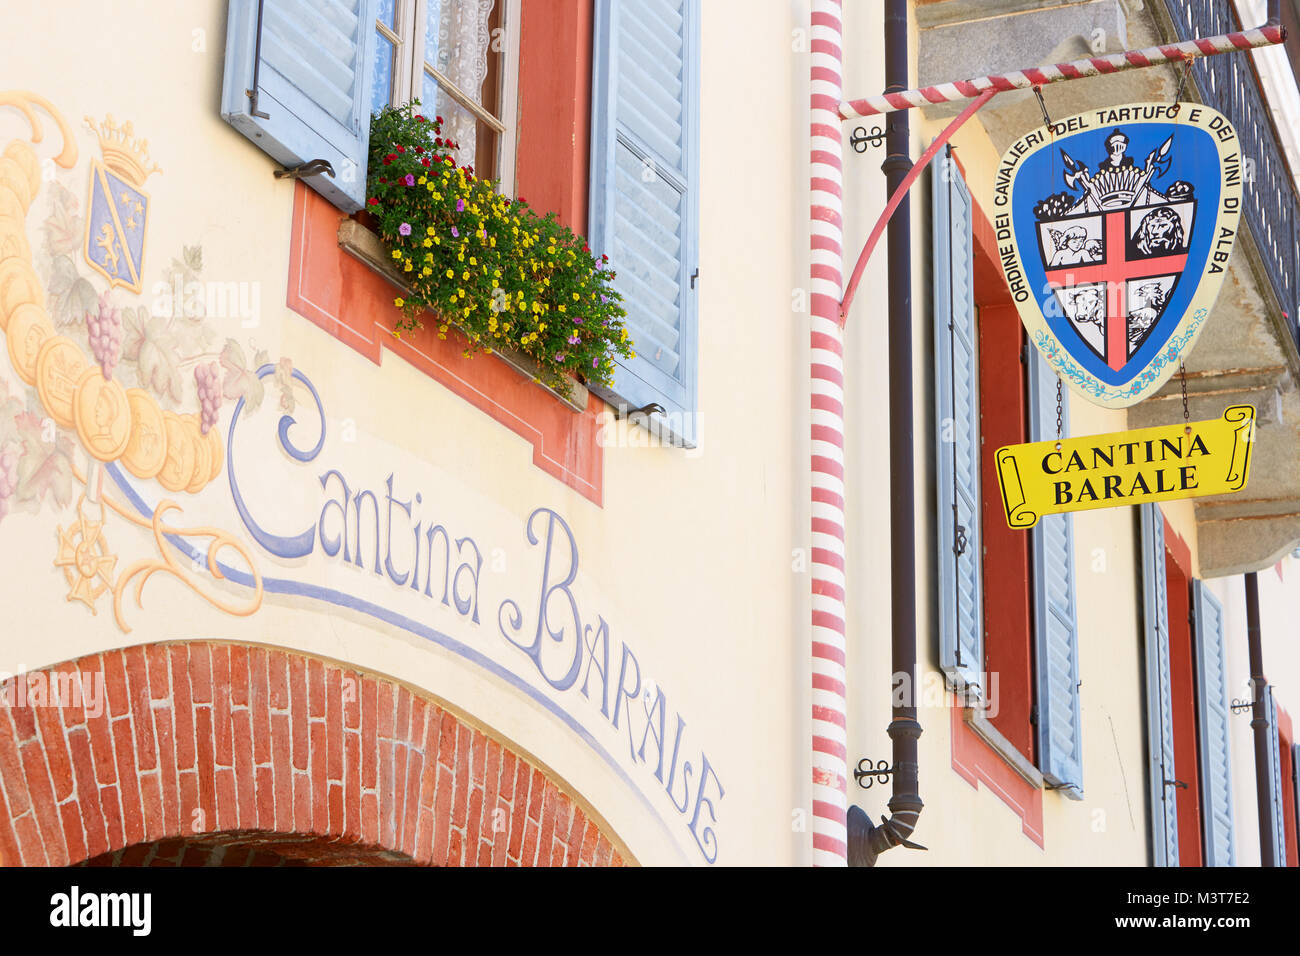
(1239, 706)
(873, 772)
(861, 138)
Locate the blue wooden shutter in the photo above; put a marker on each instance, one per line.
(645, 196)
(1212, 716)
(1160, 717)
(957, 431)
(308, 64)
(1056, 631)
(1275, 782)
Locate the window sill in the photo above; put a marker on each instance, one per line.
(984, 728)
(359, 242)
(350, 300)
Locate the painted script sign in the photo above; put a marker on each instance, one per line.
(1186, 460)
(1114, 229)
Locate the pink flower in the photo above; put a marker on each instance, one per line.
(574, 340)
(404, 229)
(460, 205)
(455, 232)
(410, 179)
(595, 363)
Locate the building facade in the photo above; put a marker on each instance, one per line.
(285, 585)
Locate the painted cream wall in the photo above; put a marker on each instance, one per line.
(690, 559)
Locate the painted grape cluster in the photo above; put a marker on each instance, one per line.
(105, 328)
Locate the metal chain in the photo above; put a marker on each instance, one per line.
(1182, 381)
(1042, 105)
(1058, 413)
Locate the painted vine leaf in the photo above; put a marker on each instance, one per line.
(148, 344)
(45, 467)
(63, 225)
(70, 295)
(238, 382)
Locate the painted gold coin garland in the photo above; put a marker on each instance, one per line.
(112, 423)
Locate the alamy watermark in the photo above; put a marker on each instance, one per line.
(208, 299)
(54, 689)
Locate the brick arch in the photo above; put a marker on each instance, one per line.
(212, 752)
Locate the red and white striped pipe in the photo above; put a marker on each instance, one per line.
(1266, 35)
(829, 724)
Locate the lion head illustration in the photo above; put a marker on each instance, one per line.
(1161, 230)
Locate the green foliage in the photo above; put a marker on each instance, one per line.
(492, 267)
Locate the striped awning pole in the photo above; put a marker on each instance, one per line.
(1266, 35)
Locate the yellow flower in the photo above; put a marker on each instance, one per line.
(428, 243)
(451, 274)
(465, 275)
(576, 297)
(399, 302)
(428, 271)
(397, 253)
(562, 308)
(473, 261)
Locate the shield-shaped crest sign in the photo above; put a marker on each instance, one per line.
(1114, 229)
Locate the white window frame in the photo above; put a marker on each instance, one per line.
(409, 69)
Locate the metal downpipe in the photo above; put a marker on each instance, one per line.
(1259, 723)
(867, 841)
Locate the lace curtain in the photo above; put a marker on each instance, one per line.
(456, 41)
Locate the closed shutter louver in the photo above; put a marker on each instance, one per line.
(1160, 718)
(644, 202)
(311, 61)
(1215, 730)
(957, 431)
(1056, 632)
(1275, 782)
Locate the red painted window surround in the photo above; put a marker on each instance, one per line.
(1008, 620)
(1286, 738)
(354, 303)
(1182, 685)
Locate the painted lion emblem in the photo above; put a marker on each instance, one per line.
(1161, 230)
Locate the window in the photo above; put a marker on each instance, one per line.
(301, 80)
(644, 195)
(1190, 764)
(454, 56)
(1008, 631)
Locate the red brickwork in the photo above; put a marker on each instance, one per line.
(212, 754)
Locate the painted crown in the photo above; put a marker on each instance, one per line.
(123, 153)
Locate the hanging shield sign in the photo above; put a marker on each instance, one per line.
(1114, 229)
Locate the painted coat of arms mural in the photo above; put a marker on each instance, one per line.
(1115, 274)
(106, 384)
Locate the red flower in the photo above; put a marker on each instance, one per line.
(389, 158)
(372, 201)
(470, 170)
(585, 248)
(419, 149)
(401, 149)
(419, 118)
(439, 119)
(604, 258)
(424, 161)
